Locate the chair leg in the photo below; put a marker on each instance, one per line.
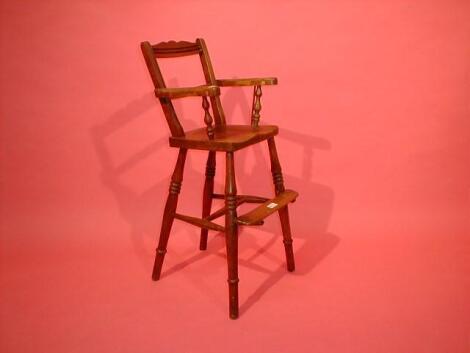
(231, 234)
(169, 213)
(207, 196)
(283, 212)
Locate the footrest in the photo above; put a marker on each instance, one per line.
(256, 216)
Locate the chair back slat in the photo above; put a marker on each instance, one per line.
(173, 49)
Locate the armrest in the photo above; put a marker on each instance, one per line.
(181, 92)
(258, 81)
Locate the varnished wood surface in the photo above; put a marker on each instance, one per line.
(207, 194)
(173, 49)
(181, 92)
(226, 138)
(222, 211)
(211, 89)
(278, 181)
(208, 118)
(247, 81)
(231, 233)
(219, 115)
(244, 198)
(170, 114)
(169, 213)
(267, 208)
(256, 107)
(240, 200)
(202, 223)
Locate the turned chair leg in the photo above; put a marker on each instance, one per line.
(207, 196)
(231, 234)
(284, 211)
(169, 214)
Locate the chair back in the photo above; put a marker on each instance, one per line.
(173, 49)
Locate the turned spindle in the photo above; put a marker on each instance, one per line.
(207, 117)
(257, 93)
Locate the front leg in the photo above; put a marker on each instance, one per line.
(231, 234)
(207, 196)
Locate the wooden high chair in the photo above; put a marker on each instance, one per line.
(217, 136)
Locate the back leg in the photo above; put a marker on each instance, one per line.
(207, 196)
(169, 213)
(284, 211)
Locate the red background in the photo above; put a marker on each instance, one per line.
(373, 107)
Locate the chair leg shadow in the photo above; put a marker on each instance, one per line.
(307, 257)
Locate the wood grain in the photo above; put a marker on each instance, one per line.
(256, 81)
(256, 108)
(173, 49)
(284, 211)
(226, 138)
(202, 223)
(169, 213)
(182, 92)
(207, 193)
(231, 234)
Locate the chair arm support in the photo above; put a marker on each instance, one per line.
(257, 81)
(181, 92)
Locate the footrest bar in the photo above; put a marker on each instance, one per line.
(202, 223)
(221, 211)
(256, 216)
(243, 198)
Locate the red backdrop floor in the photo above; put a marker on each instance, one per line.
(373, 108)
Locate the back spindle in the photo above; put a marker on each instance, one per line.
(207, 117)
(255, 115)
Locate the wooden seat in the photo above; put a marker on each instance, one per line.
(226, 137)
(217, 136)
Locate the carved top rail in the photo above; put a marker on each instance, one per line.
(173, 49)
